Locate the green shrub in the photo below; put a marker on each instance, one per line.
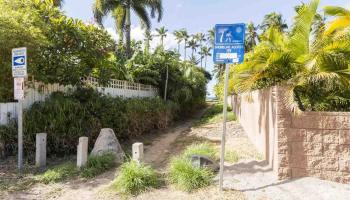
(58, 173)
(98, 164)
(187, 177)
(66, 117)
(214, 115)
(134, 178)
(204, 149)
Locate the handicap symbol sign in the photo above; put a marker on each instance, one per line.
(19, 60)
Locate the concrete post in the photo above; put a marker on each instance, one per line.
(82, 153)
(137, 152)
(40, 153)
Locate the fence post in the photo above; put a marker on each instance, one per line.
(40, 153)
(82, 153)
(137, 152)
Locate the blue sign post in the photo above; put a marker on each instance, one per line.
(229, 43)
(228, 49)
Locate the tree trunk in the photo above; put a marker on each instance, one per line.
(128, 31)
(178, 47)
(166, 83)
(205, 65)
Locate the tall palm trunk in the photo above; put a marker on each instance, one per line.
(178, 47)
(205, 64)
(201, 55)
(128, 30)
(147, 46)
(162, 41)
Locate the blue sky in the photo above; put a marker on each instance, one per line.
(200, 15)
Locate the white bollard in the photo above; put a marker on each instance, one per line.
(40, 152)
(137, 152)
(82, 153)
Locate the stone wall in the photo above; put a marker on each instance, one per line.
(313, 144)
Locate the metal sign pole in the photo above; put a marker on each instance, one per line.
(20, 135)
(223, 136)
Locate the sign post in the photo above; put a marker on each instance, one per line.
(228, 49)
(19, 72)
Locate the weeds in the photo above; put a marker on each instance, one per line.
(135, 179)
(214, 115)
(98, 164)
(204, 149)
(58, 173)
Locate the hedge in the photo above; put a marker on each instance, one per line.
(66, 117)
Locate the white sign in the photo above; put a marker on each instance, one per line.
(19, 88)
(19, 62)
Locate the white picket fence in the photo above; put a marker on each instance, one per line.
(39, 92)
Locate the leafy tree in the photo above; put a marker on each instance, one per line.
(211, 36)
(342, 20)
(205, 52)
(60, 49)
(193, 45)
(162, 33)
(251, 36)
(121, 12)
(58, 3)
(316, 73)
(200, 37)
(179, 37)
(185, 37)
(274, 20)
(148, 38)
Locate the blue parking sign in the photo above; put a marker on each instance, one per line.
(229, 43)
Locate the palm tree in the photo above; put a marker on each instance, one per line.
(200, 37)
(179, 37)
(185, 37)
(162, 33)
(205, 52)
(148, 38)
(58, 3)
(341, 21)
(211, 36)
(121, 12)
(193, 45)
(314, 72)
(251, 36)
(273, 20)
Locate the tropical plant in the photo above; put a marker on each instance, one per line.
(251, 36)
(314, 70)
(211, 36)
(200, 38)
(162, 33)
(121, 12)
(274, 20)
(179, 37)
(185, 37)
(342, 20)
(193, 45)
(58, 3)
(205, 52)
(148, 38)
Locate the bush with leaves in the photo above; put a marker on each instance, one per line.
(98, 164)
(66, 117)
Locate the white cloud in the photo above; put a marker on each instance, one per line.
(137, 33)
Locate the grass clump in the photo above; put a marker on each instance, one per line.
(232, 156)
(135, 178)
(187, 177)
(58, 173)
(214, 115)
(203, 149)
(98, 164)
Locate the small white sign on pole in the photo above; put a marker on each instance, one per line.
(19, 62)
(19, 88)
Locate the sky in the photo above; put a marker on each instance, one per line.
(199, 16)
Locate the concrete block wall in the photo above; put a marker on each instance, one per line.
(315, 144)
